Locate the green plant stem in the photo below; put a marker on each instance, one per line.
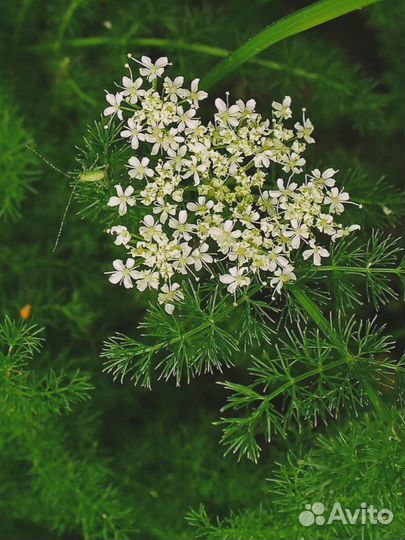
(304, 19)
(73, 6)
(284, 387)
(360, 270)
(79, 92)
(201, 48)
(300, 378)
(317, 316)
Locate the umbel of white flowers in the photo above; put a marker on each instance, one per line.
(208, 190)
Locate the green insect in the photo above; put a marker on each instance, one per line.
(94, 176)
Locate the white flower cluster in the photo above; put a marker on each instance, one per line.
(209, 188)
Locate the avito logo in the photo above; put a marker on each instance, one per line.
(315, 514)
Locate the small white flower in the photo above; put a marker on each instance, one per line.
(300, 230)
(324, 224)
(283, 192)
(200, 256)
(140, 169)
(282, 276)
(305, 131)
(241, 252)
(152, 70)
(151, 230)
(226, 114)
(201, 207)
(345, 231)
(246, 108)
(171, 139)
(248, 217)
(293, 163)
(174, 88)
(263, 159)
(123, 235)
(336, 200)
(170, 294)
(225, 236)
(185, 119)
(266, 202)
(164, 208)
(282, 110)
(114, 108)
(155, 136)
(122, 199)
(325, 178)
(194, 169)
(316, 252)
(195, 95)
(276, 259)
(133, 131)
(184, 259)
(181, 227)
(124, 273)
(177, 158)
(146, 279)
(132, 89)
(235, 279)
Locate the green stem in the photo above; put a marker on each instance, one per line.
(201, 48)
(73, 6)
(317, 371)
(79, 92)
(359, 270)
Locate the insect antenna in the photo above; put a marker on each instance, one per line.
(52, 166)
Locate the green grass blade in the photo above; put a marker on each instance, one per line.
(309, 17)
(317, 316)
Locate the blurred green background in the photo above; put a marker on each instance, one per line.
(130, 463)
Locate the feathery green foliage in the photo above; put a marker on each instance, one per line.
(68, 492)
(192, 342)
(313, 380)
(17, 165)
(360, 464)
(309, 384)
